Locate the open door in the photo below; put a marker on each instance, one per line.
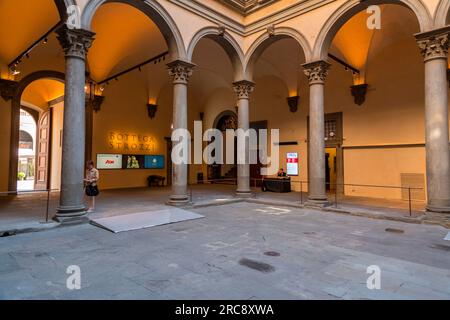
(43, 151)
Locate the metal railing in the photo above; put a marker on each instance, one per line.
(46, 192)
(335, 195)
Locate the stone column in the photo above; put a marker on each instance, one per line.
(434, 48)
(316, 73)
(243, 90)
(75, 43)
(180, 71)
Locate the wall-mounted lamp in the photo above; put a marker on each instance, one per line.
(359, 93)
(293, 103)
(152, 108)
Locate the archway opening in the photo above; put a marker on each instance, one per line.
(129, 105)
(41, 119)
(374, 114)
(280, 101)
(213, 93)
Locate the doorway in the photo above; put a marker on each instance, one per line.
(26, 165)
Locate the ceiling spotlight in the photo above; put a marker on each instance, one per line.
(140, 70)
(27, 55)
(102, 88)
(346, 68)
(117, 79)
(45, 41)
(15, 72)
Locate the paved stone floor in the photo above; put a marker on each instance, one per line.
(25, 209)
(321, 255)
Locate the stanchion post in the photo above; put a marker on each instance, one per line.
(48, 206)
(301, 192)
(409, 201)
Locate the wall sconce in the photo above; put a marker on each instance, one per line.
(293, 103)
(7, 89)
(152, 108)
(95, 102)
(359, 93)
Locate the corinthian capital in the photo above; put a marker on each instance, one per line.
(180, 71)
(243, 89)
(316, 71)
(434, 44)
(75, 42)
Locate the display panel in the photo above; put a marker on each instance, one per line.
(109, 161)
(292, 164)
(154, 162)
(133, 162)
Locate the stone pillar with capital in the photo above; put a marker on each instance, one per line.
(243, 91)
(75, 43)
(180, 71)
(434, 47)
(316, 72)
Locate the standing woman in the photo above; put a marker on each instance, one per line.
(91, 181)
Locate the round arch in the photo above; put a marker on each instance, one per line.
(350, 8)
(265, 40)
(15, 118)
(442, 17)
(155, 12)
(226, 41)
(222, 115)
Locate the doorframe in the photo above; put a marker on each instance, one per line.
(16, 104)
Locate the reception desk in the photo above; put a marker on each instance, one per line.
(279, 185)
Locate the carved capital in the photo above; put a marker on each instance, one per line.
(243, 89)
(75, 42)
(180, 71)
(7, 89)
(434, 44)
(316, 71)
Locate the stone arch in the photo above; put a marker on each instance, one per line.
(15, 118)
(222, 115)
(350, 8)
(226, 41)
(155, 12)
(442, 17)
(265, 40)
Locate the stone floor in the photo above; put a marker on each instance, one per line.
(318, 255)
(16, 212)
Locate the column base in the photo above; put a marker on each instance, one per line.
(438, 208)
(244, 194)
(178, 200)
(317, 202)
(71, 215)
(442, 219)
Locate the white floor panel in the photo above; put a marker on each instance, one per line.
(144, 220)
